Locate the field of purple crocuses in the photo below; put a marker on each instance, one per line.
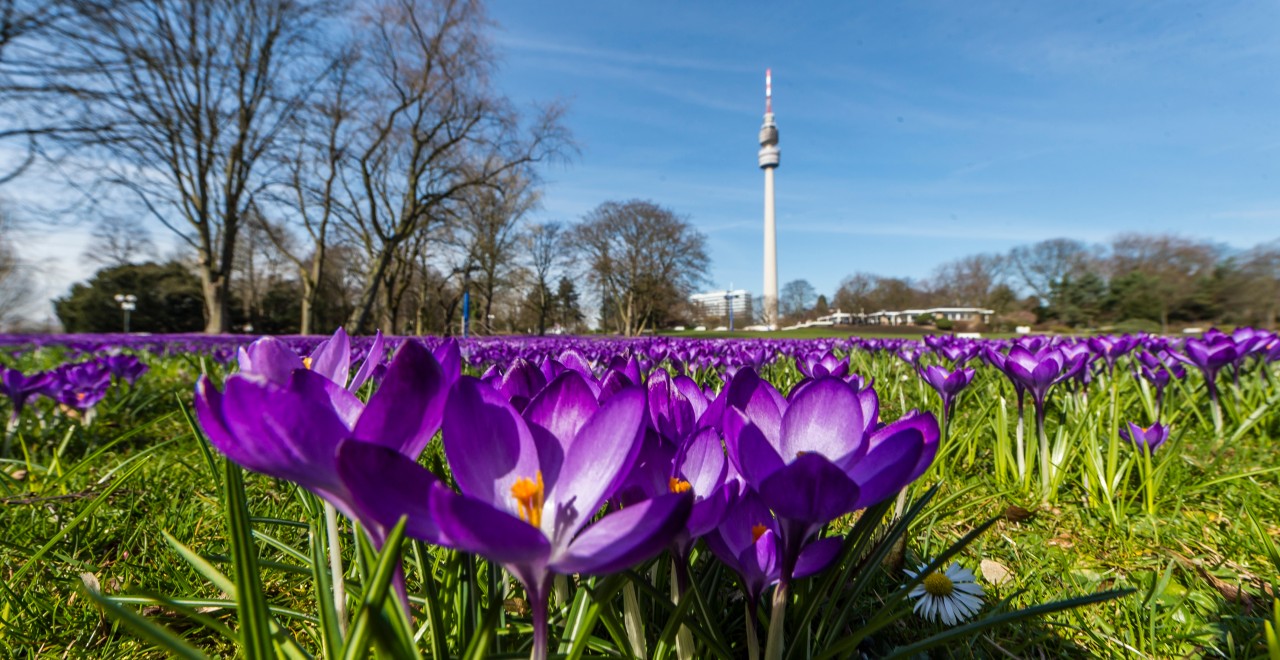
(660, 497)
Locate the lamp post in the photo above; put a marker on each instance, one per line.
(128, 303)
(729, 296)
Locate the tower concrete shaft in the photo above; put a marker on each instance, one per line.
(769, 158)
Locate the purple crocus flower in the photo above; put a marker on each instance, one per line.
(274, 360)
(817, 365)
(519, 383)
(529, 486)
(1210, 356)
(1159, 370)
(675, 405)
(747, 541)
(291, 430)
(1111, 348)
(126, 367)
(1039, 371)
(20, 389)
(1149, 438)
(815, 461)
(947, 384)
(79, 387)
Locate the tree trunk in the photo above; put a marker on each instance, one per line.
(216, 302)
(359, 319)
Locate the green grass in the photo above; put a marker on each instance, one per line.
(1200, 571)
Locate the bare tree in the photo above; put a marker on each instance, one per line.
(1043, 265)
(1251, 292)
(1172, 266)
(431, 130)
(180, 102)
(119, 240)
(486, 229)
(969, 280)
(16, 283)
(796, 298)
(644, 260)
(310, 197)
(260, 263)
(26, 112)
(545, 252)
(854, 294)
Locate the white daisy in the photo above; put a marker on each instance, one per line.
(950, 596)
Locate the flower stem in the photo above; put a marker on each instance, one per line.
(538, 608)
(1046, 461)
(1020, 442)
(335, 566)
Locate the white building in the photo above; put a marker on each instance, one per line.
(908, 316)
(717, 303)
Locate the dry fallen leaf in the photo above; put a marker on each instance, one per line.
(994, 572)
(516, 606)
(1015, 513)
(91, 582)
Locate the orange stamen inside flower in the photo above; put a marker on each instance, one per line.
(679, 485)
(306, 362)
(757, 531)
(529, 495)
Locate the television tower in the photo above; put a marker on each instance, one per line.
(769, 162)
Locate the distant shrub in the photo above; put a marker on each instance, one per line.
(923, 319)
(944, 324)
(1133, 326)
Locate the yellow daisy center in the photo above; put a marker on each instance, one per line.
(679, 485)
(938, 584)
(529, 494)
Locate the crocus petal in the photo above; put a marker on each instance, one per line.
(270, 358)
(405, 413)
(817, 556)
(288, 432)
(890, 464)
(602, 454)
(473, 526)
(332, 358)
(385, 485)
(702, 462)
(562, 407)
(449, 355)
(709, 512)
(626, 537)
(756, 456)
(758, 564)
(825, 419)
(697, 399)
(487, 444)
(372, 359)
(759, 400)
(811, 489)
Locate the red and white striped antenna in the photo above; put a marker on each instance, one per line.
(768, 90)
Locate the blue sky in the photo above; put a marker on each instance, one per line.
(911, 133)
